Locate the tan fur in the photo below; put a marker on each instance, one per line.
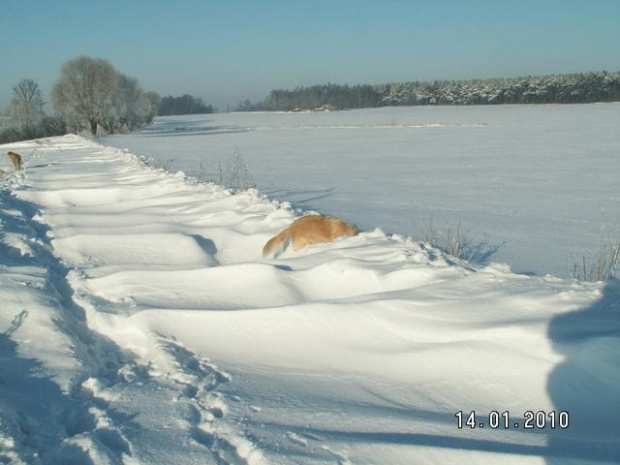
(309, 230)
(16, 160)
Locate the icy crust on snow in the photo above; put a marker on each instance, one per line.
(140, 325)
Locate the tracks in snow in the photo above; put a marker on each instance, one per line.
(97, 420)
(128, 242)
(50, 422)
(200, 380)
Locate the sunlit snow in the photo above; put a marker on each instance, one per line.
(537, 181)
(141, 325)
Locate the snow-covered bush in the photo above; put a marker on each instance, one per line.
(235, 173)
(459, 242)
(604, 265)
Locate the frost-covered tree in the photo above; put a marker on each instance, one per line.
(128, 96)
(26, 119)
(85, 91)
(149, 103)
(26, 110)
(92, 94)
(123, 110)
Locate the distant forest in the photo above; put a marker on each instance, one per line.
(184, 105)
(564, 88)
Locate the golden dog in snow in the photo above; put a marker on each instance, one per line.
(307, 230)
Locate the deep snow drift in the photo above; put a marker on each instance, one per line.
(140, 325)
(540, 181)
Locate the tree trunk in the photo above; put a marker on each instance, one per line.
(93, 127)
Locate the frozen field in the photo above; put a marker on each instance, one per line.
(140, 325)
(541, 181)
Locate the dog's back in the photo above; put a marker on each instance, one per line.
(16, 160)
(307, 230)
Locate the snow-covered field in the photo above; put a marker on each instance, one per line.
(540, 181)
(140, 325)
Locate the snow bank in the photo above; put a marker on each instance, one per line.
(537, 181)
(141, 325)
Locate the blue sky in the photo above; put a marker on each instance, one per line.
(228, 50)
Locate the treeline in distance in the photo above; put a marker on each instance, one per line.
(184, 105)
(565, 88)
(90, 95)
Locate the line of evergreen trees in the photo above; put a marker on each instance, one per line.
(184, 105)
(566, 88)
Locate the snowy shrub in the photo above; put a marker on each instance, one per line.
(161, 164)
(605, 264)
(235, 173)
(459, 242)
(47, 127)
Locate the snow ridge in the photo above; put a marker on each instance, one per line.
(141, 325)
(53, 329)
(108, 372)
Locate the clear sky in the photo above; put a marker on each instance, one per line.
(228, 50)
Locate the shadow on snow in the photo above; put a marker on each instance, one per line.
(40, 417)
(587, 383)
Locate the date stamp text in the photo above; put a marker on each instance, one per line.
(504, 420)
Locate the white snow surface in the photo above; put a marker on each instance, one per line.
(539, 181)
(140, 325)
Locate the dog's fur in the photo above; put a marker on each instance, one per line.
(16, 160)
(307, 230)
